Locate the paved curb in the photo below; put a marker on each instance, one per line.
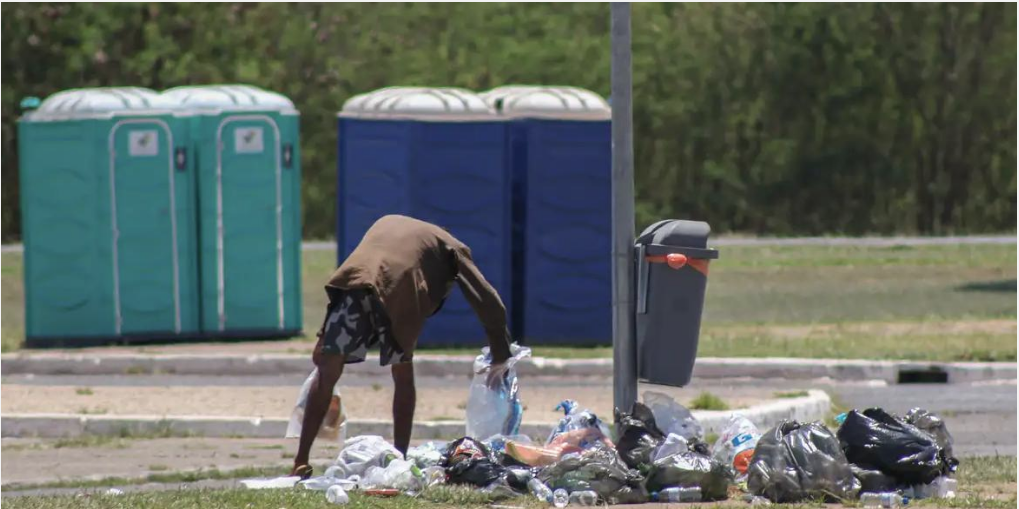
(433, 365)
(816, 405)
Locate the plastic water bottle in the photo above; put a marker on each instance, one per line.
(538, 489)
(584, 498)
(885, 500)
(678, 494)
(336, 495)
(560, 498)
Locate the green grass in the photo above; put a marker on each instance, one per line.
(980, 484)
(291, 499)
(708, 401)
(755, 292)
(988, 469)
(83, 391)
(791, 394)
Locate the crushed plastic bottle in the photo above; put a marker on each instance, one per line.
(942, 487)
(560, 498)
(336, 495)
(585, 498)
(678, 494)
(434, 476)
(114, 491)
(886, 500)
(539, 490)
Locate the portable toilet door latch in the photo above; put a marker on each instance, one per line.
(288, 155)
(180, 158)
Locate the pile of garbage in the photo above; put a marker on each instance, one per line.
(659, 455)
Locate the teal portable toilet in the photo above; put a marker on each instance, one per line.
(108, 222)
(246, 145)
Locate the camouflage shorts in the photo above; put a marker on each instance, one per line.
(355, 322)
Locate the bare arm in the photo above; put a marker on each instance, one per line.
(486, 304)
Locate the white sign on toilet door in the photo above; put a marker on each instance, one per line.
(143, 143)
(248, 140)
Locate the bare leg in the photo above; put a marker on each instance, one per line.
(330, 368)
(404, 400)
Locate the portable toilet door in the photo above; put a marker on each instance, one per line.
(438, 155)
(561, 163)
(107, 208)
(247, 141)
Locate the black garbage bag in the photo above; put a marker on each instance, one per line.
(468, 461)
(638, 435)
(936, 427)
(599, 469)
(794, 462)
(874, 439)
(873, 481)
(689, 469)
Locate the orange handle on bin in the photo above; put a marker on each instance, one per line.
(678, 261)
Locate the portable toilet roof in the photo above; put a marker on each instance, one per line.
(97, 103)
(218, 98)
(548, 102)
(424, 103)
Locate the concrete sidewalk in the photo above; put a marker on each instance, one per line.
(210, 360)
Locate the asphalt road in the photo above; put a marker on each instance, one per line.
(981, 417)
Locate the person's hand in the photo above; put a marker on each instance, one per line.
(496, 375)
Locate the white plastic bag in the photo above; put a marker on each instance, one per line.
(275, 483)
(495, 412)
(426, 454)
(334, 426)
(364, 451)
(671, 417)
(735, 445)
(673, 444)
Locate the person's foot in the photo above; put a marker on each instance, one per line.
(302, 471)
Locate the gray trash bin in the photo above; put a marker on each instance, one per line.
(672, 274)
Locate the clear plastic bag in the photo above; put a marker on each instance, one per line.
(334, 426)
(671, 417)
(735, 445)
(576, 419)
(399, 474)
(673, 444)
(499, 411)
(599, 469)
(936, 427)
(689, 470)
(364, 451)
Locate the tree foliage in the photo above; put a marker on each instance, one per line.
(765, 118)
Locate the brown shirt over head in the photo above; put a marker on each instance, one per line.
(411, 266)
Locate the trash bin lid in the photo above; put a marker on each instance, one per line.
(82, 103)
(217, 98)
(678, 236)
(427, 103)
(548, 102)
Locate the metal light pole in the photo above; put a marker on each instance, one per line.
(624, 347)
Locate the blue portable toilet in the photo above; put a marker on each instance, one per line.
(438, 155)
(561, 146)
